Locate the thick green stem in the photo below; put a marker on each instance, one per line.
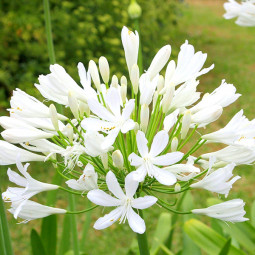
(4, 230)
(49, 31)
(74, 225)
(142, 241)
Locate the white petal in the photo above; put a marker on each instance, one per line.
(96, 124)
(135, 160)
(142, 143)
(135, 222)
(164, 177)
(139, 174)
(110, 138)
(127, 126)
(99, 197)
(16, 178)
(108, 219)
(131, 185)
(114, 186)
(73, 184)
(159, 143)
(113, 100)
(168, 159)
(129, 107)
(144, 202)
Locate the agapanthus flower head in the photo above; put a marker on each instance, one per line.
(133, 138)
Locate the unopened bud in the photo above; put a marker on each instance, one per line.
(167, 99)
(104, 69)
(134, 10)
(136, 127)
(123, 92)
(144, 117)
(123, 80)
(73, 103)
(104, 159)
(117, 159)
(134, 77)
(177, 187)
(159, 61)
(174, 144)
(155, 98)
(160, 84)
(84, 109)
(186, 121)
(114, 81)
(69, 131)
(94, 74)
(169, 73)
(54, 116)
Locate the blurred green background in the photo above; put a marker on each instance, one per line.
(84, 30)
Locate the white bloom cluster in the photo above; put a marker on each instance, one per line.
(243, 11)
(110, 140)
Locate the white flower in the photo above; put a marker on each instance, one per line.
(26, 106)
(86, 182)
(170, 120)
(236, 154)
(31, 210)
(24, 134)
(218, 181)
(56, 86)
(124, 203)
(238, 128)
(189, 65)
(149, 161)
(112, 120)
(130, 43)
(9, 152)
(232, 210)
(245, 12)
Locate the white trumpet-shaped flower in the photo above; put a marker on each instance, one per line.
(232, 210)
(111, 121)
(218, 181)
(124, 203)
(86, 182)
(149, 161)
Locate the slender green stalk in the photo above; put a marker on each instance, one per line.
(74, 225)
(4, 229)
(142, 241)
(2, 243)
(86, 227)
(49, 31)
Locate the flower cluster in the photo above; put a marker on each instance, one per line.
(137, 134)
(244, 11)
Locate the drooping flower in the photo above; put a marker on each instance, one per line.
(124, 203)
(149, 161)
(232, 210)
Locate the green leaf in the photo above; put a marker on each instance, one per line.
(253, 214)
(49, 234)
(36, 244)
(161, 233)
(207, 239)
(65, 243)
(243, 232)
(226, 247)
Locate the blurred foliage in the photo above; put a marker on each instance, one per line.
(82, 30)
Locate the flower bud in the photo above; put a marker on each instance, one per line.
(177, 187)
(144, 117)
(73, 103)
(117, 159)
(69, 131)
(155, 97)
(104, 69)
(84, 108)
(114, 81)
(159, 61)
(54, 116)
(167, 98)
(169, 72)
(134, 10)
(123, 92)
(136, 127)
(186, 121)
(135, 78)
(160, 84)
(123, 80)
(104, 158)
(94, 74)
(174, 144)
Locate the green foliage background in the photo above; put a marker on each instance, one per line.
(82, 30)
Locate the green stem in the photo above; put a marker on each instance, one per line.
(86, 227)
(4, 229)
(74, 225)
(140, 54)
(142, 241)
(49, 31)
